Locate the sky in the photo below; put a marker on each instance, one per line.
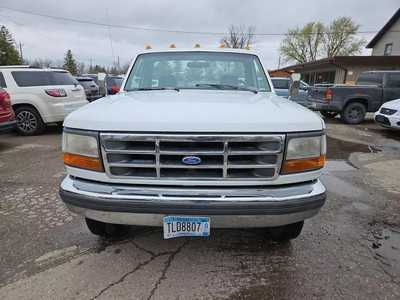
(50, 38)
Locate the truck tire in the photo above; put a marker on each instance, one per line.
(107, 230)
(329, 114)
(353, 113)
(286, 232)
(29, 121)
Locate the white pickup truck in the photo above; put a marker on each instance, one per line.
(195, 140)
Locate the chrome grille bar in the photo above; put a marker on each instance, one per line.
(226, 149)
(158, 172)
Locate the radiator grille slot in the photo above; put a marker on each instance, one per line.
(192, 157)
(191, 173)
(133, 172)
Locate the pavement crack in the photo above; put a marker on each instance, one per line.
(151, 253)
(153, 256)
(165, 270)
(123, 277)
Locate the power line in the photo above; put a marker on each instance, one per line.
(140, 28)
(157, 29)
(109, 24)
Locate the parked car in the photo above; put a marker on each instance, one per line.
(41, 96)
(281, 86)
(7, 116)
(102, 89)
(218, 148)
(92, 90)
(372, 89)
(389, 114)
(113, 84)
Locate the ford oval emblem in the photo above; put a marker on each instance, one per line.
(191, 160)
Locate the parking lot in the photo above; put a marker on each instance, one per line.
(351, 248)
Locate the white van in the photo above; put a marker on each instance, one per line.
(40, 96)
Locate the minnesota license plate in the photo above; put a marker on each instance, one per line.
(177, 226)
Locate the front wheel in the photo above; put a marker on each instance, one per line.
(106, 229)
(353, 113)
(329, 114)
(286, 232)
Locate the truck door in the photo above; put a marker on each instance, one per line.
(375, 80)
(391, 88)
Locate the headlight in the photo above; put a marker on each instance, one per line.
(304, 154)
(81, 151)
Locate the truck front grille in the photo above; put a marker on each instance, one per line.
(217, 157)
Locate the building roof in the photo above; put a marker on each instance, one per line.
(343, 61)
(384, 29)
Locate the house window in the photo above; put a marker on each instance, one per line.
(388, 49)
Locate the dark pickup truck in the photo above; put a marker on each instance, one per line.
(352, 102)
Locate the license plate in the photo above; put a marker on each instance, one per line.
(177, 226)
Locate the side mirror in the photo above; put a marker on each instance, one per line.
(294, 85)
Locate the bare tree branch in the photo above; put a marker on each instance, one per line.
(239, 36)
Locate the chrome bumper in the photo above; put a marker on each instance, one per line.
(227, 207)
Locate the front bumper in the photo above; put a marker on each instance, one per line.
(58, 111)
(226, 207)
(389, 121)
(7, 126)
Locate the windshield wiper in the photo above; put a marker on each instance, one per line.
(155, 89)
(226, 86)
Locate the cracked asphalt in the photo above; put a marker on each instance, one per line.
(350, 250)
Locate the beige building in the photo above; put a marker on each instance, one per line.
(340, 69)
(346, 69)
(387, 41)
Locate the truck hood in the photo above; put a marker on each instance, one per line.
(194, 111)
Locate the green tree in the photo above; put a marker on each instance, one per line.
(315, 40)
(340, 38)
(8, 52)
(303, 44)
(96, 69)
(70, 63)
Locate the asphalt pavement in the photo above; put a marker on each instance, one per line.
(350, 250)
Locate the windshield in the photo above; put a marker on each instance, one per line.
(197, 70)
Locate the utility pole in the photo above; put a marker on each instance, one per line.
(279, 62)
(20, 52)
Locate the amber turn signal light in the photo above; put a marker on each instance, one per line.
(83, 162)
(302, 165)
